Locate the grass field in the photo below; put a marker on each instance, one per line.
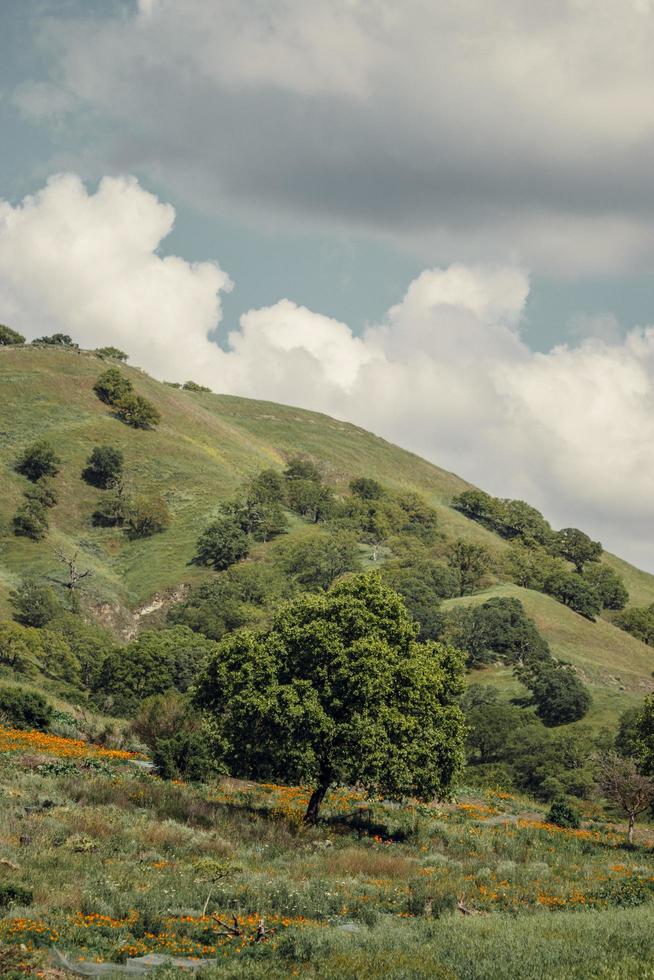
(121, 863)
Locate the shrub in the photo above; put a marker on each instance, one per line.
(113, 352)
(313, 559)
(111, 386)
(111, 511)
(103, 467)
(193, 386)
(25, 709)
(366, 489)
(14, 895)
(300, 468)
(35, 604)
(147, 516)
(43, 493)
(222, 544)
(185, 755)
(56, 340)
(162, 716)
(564, 814)
(469, 562)
(37, 461)
(639, 621)
(575, 592)
(558, 694)
(608, 585)
(137, 411)
(30, 521)
(9, 337)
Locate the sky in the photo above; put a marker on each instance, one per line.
(434, 220)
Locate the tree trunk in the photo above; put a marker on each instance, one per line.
(318, 795)
(630, 832)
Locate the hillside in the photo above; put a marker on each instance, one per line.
(205, 447)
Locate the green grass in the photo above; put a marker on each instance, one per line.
(121, 863)
(204, 449)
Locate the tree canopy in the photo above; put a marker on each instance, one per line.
(9, 337)
(339, 691)
(104, 466)
(38, 460)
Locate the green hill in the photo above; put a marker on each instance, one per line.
(204, 448)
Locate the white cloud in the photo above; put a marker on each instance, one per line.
(484, 130)
(445, 374)
(87, 264)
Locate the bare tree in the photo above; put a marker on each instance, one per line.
(620, 781)
(75, 576)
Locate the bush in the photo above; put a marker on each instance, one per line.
(56, 340)
(9, 337)
(184, 756)
(103, 467)
(575, 592)
(313, 559)
(43, 493)
(366, 489)
(639, 621)
(222, 544)
(162, 716)
(111, 511)
(155, 663)
(608, 585)
(14, 895)
(193, 386)
(30, 521)
(558, 694)
(137, 411)
(24, 709)
(564, 814)
(35, 604)
(147, 516)
(113, 352)
(111, 386)
(37, 461)
(469, 562)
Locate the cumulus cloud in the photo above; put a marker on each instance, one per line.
(445, 373)
(88, 264)
(490, 129)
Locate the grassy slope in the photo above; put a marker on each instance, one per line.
(616, 667)
(204, 448)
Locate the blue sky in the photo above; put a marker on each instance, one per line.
(392, 213)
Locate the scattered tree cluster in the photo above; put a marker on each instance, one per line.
(116, 390)
(499, 630)
(57, 340)
(541, 557)
(39, 463)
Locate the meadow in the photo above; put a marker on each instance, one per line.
(119, 863)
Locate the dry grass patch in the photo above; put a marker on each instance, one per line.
(354, 862)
